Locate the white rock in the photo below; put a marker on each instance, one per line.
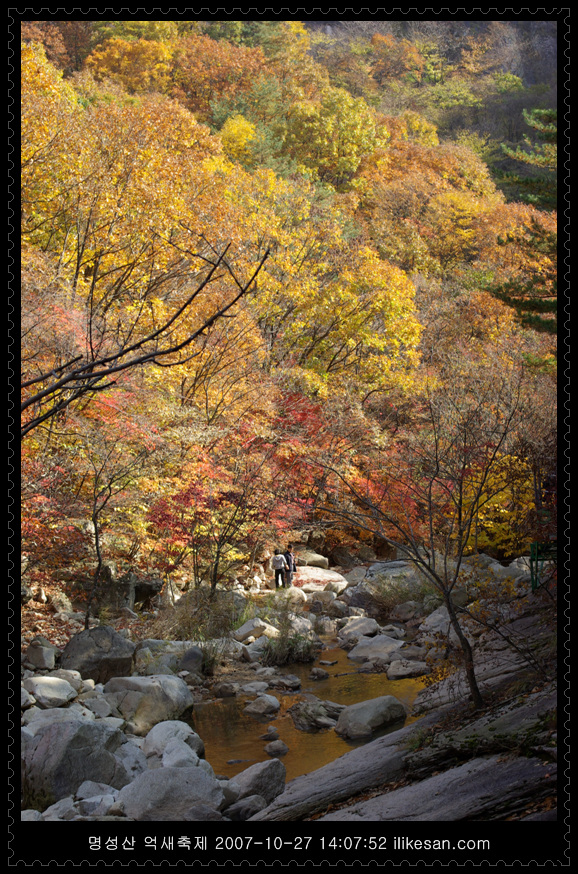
(254, 628)
(50, 691)
(163, 733)
(319, 576)
(178, 754)
(359, 626)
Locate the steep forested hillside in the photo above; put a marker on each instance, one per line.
(276, 274)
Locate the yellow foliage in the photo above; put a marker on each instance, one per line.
(141, 65)
(237, 136)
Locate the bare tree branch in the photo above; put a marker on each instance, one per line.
(68, 382)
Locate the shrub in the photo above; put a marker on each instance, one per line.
(200, 618)
(289, 646)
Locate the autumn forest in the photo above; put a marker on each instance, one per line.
(279, 274)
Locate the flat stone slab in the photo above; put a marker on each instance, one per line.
(378, 761)
(491, 786)
(318, 575)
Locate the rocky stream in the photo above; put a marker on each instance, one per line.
(115, 729)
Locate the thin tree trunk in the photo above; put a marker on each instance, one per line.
(468, 654)
(96, 572)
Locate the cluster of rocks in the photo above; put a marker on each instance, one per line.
(108, 746)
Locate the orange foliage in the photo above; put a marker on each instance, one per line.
(206, 69)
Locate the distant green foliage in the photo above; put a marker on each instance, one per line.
(534, 297)
(539, 185)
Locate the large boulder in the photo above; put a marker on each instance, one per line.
(368, 649)
(384, 584)
(167, 657)
(192, 660)
(266, 779)
(35, 719)
(361, 720)
(363, 768)
(325, 597)
(401, 669)
(98, 654)
(311, 559)
(292, 599)
(145, 701)
(318, 575)
(164, 794)
(62, 755)
(358, 627)
(312, 714)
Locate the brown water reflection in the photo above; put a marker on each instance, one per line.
(229, 734)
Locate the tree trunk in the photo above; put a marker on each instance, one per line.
(96, 572)
(467, 652)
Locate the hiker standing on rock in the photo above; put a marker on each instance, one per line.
(291, 566)
(280, 567)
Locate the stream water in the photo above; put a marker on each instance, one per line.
(232, 738)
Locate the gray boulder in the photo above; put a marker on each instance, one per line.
(62, 755)
(42, 654)
(276, 748)
(145, 701)
(356, 627)
(162, 734)
(226, 689)
(241, 810)
(266, 779)
(361, 720)
(30, 816)
(312, 714)
(132, 759)
(26, 699)
(178, 754)
(371, 648)
(379, 761)
(263, 707)
(98, 654)
(312, 559)
(255, 628)
(400, 669)
(166, 794)
(34, 718)
(192, 660)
